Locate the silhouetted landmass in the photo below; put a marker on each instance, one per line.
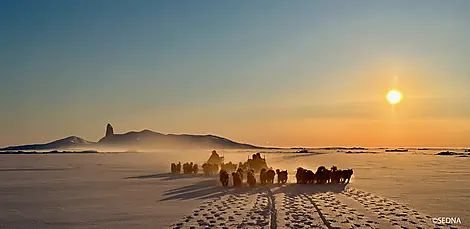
(360, 152)
(145, 139)
(301, 151)
(69, 142)
(449, 153)
(151, 140)
(49, 152)
(344, 148)
(331, 148)
(396, 150)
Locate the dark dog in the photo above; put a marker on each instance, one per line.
(190, 168)
(178, 167)
(309, 176)
(322, 176)
(240, 173)
(321, 169)
(335, 175)
(206, 168)
(281, 176)
(223, 176)
(263, 176)
(237, 182)
(305, 176)
(250, 178)
(300, 176)
(186, 168)
(270, 174)
(327, 176)
(173, 168)
(346, 176)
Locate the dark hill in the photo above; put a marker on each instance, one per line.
(65, 143)
(154, 140)
(145, 139)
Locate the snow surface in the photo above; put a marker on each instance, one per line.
(134, 190)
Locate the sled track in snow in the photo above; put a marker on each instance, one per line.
(271, 207)
(325, 221)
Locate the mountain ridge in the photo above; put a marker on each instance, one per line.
(144, 139)
(63, 143)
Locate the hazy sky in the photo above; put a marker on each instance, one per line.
(278, 73)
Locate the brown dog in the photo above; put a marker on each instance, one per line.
(346, 175)
(281, 176)
(223, 177)
(263, 176)
(240, 173)
(270, 176)
(237, 182)
(173, 168)
(335, 175)
(250, 178)
(195, 168)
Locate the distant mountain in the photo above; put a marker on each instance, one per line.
(153, 140)
(65, 143)
(145, 139)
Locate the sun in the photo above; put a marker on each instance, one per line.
(394, 97)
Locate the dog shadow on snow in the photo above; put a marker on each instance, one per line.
(171, 176)
(207, 189)
(212, 189)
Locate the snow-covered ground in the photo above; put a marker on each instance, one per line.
(134, 190)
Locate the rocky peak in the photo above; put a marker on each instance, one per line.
(109, 131)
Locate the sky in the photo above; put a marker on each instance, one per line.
(277, 73)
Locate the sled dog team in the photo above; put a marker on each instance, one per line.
(207, 168)
(303, 176)
(188, 168)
